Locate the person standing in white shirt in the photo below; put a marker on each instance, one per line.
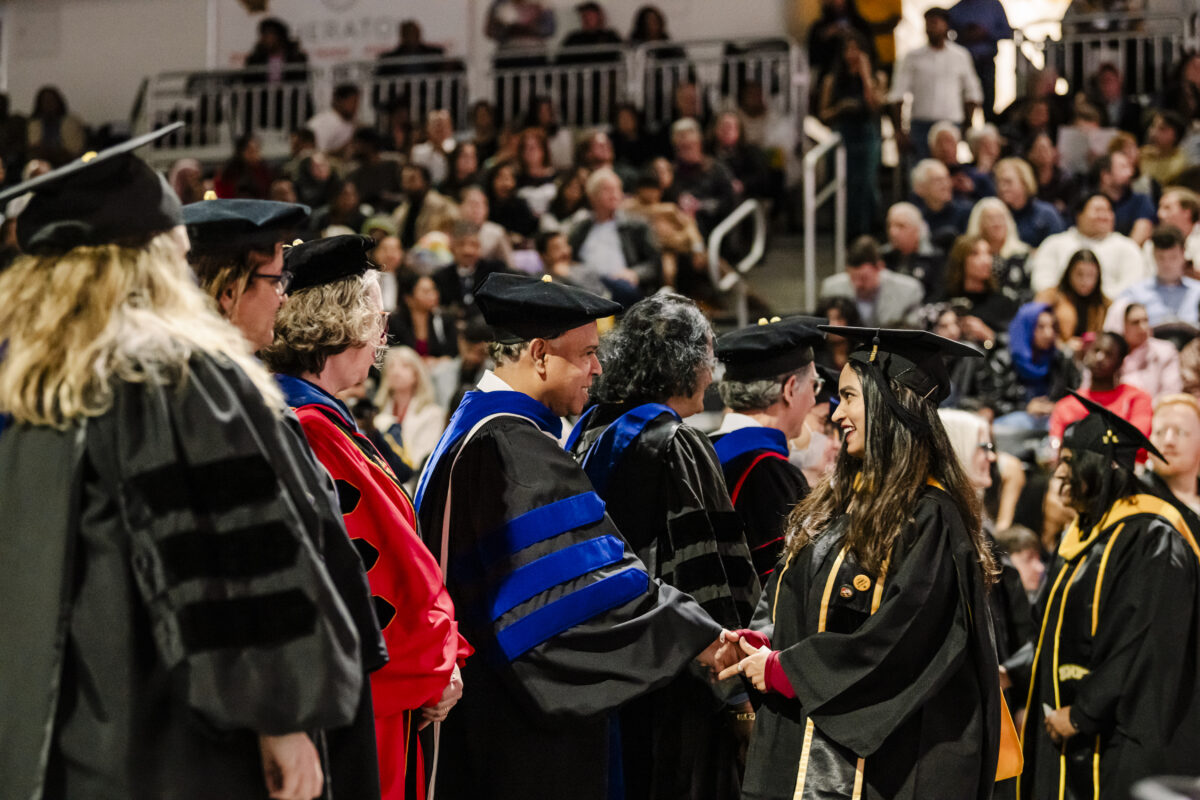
(334, 127)
(1121, 261)
(941, 79)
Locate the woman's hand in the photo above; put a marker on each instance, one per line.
(450, 696)
(291, 767)
(753, 666)
(1059, 726)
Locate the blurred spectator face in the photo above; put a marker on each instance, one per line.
(283, 191)
(410, 33)
(347, 107)
(546, 115)
(948, 326)
(1109, 83)
(600, 150)
(981, 461)
(607, 197)
(412, 182)
(689, 149)
(1028, 564)
(466, 250)
(319, 167)
(1096, 220)
(1037, 115)
(474, 207)
(473, 354)
(1137, 326)
(1191, 70)
(389, 255)
(728, 130)
(439, 127)
(937, 189)
(1171, 212)
(1171, 264)
(687, 101)
(1103, 358)
(591, 19)
(1162, 135)
(936, 29)
(532, 154)
(627, 122)
(483, 118)
(1084, 277)
(557, 251)
(945, 148)
(1010, 188)
(1044, 333)
(252, 152)
(752, 100)
(1175, 431)
(904, 232)
(865, 280)
(653, 28)
(979, 262)
(649, 195)
(466, 161)
(994, 227)
(424, 296)
(505, 183)
(665, 172)
(1042, 152)
(1121, 173)
(347, 198)
(989, 149)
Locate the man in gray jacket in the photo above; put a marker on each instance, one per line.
(884, 298)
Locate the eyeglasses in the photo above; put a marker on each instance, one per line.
(282, 281)
(988, 446)
(818, 385)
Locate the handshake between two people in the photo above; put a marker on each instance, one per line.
(738, 653)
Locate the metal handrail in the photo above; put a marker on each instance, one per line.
(814, 200)
(734, 279)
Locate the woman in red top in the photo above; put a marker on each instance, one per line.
(1103, 360)
(327, 337)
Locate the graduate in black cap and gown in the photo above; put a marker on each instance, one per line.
(880, 679)
(171, 625)
(327, 337)
(568, 622)
(664, 489)
(769, 387)
(1116, 659)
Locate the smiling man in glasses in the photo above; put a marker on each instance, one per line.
(237, 255)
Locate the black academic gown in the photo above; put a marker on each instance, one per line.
(764, 486)
(1119, 643)
(664, 490)
(896, 683)
(566, 622)
(174, 580)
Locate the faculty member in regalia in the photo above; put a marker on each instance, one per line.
(327, 336)
(881, 680)
(1113, 694)
(664, 489)
(568, 622)
(769, 387)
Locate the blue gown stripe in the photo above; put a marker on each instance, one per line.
(475, 406)
(541, 524)
(298, 393)
(551, 570)
(580, 425)
(606, 452)
(578, 607)
(743, 440)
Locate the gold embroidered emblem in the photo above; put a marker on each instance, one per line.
(1072, 672)
(862, 582)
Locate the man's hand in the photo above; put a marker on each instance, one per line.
(1059, 726)
(753, 666)
(720, 653)
(629, 276)
(1040, 407)
(450, 696)
(291, 767)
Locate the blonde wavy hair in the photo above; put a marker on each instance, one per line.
(73, 324)
(322, 321)
(396, 358)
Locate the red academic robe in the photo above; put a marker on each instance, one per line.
(415, 612)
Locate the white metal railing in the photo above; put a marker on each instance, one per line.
(813, 200)
(1144, 49)
(734, 280)
(584, 83)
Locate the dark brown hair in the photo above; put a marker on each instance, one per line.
(877, 493)
(956, 264)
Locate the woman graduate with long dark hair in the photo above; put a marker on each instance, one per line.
(881, 678)
(1113, 694)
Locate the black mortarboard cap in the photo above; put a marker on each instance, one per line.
(323, 261)
(767, 350)
(520, 308)
(829, 385)
(912, 358)
(235, 226)
(1102, 431)
(100, 198)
